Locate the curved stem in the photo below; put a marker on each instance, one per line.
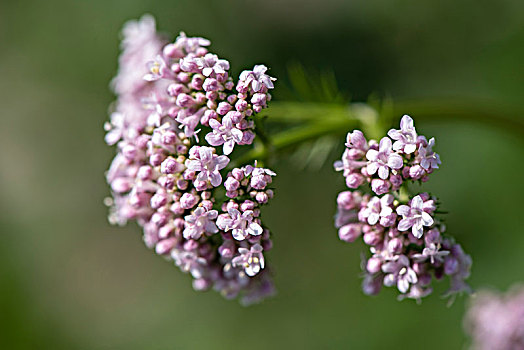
(319, 119)
(295, 136)
(504, 117)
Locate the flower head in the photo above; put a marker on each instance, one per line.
(169, 180)
(496, 321)
(407, 259)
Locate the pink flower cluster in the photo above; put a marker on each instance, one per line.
(407, 242)
(171, 181)
(496, 321)
(387, 164)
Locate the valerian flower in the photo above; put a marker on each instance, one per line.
(224, 133)
(251, 260)
(210, 63)
(414, 217)
(404, 237)
(406, 137)
(207, 164)
(169, 180)
(241, 224)
(200, 222)
(399, 272)
(257, 78)
(383, 159)
(426, 157)
(189, 262)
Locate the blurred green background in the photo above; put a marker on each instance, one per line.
(68, 280)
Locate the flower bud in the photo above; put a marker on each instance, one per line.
(188, 200)
(354, 180)
(171, 166)
(380, 186)
(373, 265)
(223, 108)
(345, 200)
(164, 246)
(350, 232)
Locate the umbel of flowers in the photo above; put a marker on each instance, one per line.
(408, 244)
(178, 117)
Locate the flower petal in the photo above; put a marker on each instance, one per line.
(417, 229)
(405, 224)
(214, 139)
(427, 220)
(215, 178)
(416, 202)
(395, 161)
(255, 229)
(383, 172)
(406, 123)
(228, 147)
(385, 145)
(372, 155)
(410, 148)
(222, 162)
(372, 168)
(403, 210)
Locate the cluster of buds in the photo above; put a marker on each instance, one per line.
(407, 241)
(385, 165)
(171, 181)
(496, 321)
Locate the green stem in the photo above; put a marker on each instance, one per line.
(319, 119)
(503, 117)
(295, 136)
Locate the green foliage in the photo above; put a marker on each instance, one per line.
(306, 85)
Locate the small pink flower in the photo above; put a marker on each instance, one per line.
(224, 133)
(207, 164)
(383, 159)
(200, 222)
(414, 217)
(426, 157)
(241, 224)
(210, 64)
(257, 79)
(251, 259)
(406, 137)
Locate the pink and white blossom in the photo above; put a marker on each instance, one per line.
(241, 224)
(224, 133)
(426, 157)
(199, 222)
(414, 217)
(383, 160)
(207, 164)
(251, 260)
(399, 256)
(256, 79)
(406, 137)
(169, 181)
